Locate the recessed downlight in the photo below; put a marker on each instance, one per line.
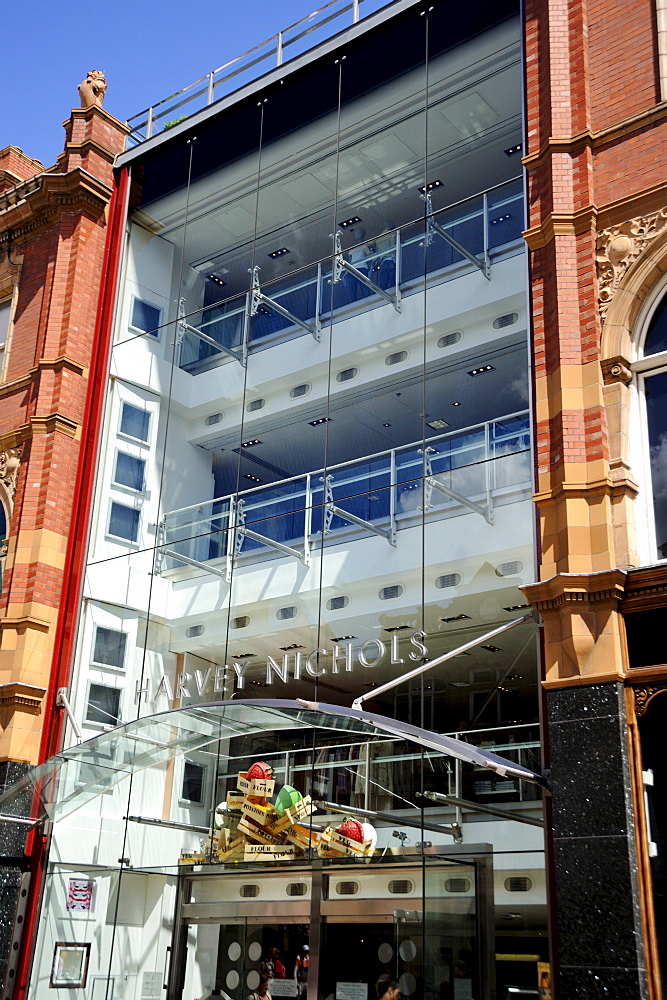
(491, 648)
(320, 420)
(294, 645)
(242, 656)
(250, 444)
(430, 186)
(517, 607)
(396, 628)
(216, 279)
(253, 479)
(481, 370)
(501, 218)
(455, 618)
(342, 638)
(438, 424)
(349, 222)
(513, 150)
(279, 253)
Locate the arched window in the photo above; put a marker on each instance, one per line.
(652, 371)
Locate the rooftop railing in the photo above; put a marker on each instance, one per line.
(298, 38)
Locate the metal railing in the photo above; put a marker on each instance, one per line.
(463, 469)
(387, 267)
(298, 38)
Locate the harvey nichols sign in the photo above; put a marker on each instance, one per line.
(341, 659)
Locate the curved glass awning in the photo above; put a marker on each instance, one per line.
(55, 789)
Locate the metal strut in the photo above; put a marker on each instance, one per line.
(62, 701)
(242, 532)
(435, 484)
(340, 265)
(258, 298)
(331, 511)
(433, 227)
(193, 562)
(242, 358)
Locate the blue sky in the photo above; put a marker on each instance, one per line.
(148, 50)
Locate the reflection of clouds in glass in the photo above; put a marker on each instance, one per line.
(517, 387)
(658, 456)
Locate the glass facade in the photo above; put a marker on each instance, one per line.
(315, 476)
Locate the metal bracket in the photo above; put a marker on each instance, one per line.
(62, 701)
(182, 327)
(331, 510)
(433, 227)
(243, 532)
(258, 298)
(486, 511)
(193, 562)
(340, 265)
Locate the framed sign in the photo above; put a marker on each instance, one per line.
(70, 965)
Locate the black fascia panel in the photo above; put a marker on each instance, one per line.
(372, 59)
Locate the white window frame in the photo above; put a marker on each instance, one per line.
(102, 726)
(130, 490)
(108, 666)
(119, 538)
(123, 435)
(135, 329)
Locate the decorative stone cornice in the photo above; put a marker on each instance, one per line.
(618, 247)
(576, 590)
(561, 224)
(611, 486)
(587, 138)
(55, 365)
(31, 207)
(23, 623)
(17, 695)
(39, 425)
(646, 589)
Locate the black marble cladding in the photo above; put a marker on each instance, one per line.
(12, 842)
(600, 943)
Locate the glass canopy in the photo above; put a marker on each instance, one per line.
(71, 778)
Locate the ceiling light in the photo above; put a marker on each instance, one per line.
(482, 370)
(455, 618)
(459, 684)
(501, 218)
(295, 645)
(516, 607)
(320, 420)
(255, 479)
(513, 150)
(341, 638)
(214, 277)
(386, 425)
(250, 444)
(396, 628)
(350, 222)
(429, 187)
(437, 425)
(456, 404)
(242, 656)
(491, 649)
(279, 253)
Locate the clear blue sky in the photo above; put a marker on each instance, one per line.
(147, 49)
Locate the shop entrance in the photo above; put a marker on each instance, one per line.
(331, 932)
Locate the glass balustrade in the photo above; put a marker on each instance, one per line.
(459, 471)
(382, 269)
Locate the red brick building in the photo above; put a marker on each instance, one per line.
(53, 229)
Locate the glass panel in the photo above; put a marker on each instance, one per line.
(656, 414)
(656, 337)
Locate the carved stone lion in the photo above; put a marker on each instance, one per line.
(93, 89)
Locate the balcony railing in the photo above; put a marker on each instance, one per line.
(383, 269)
(461, 471)
(306, 34)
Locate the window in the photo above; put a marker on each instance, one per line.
(653, 371)
(145, 317)
(124, 522)
(193, 782)
(134, 422)
(5, 313)
(103, 705)
(129, 471)
(109, 647)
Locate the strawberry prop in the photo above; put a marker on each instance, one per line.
(352, 829)
(259, 770)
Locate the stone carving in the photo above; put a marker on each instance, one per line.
(618, 247)
(616, 370)
(9, 468)
(93, 89)
(644, 694)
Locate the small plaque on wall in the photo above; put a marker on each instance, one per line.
(151, 985)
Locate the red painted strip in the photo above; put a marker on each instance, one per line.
(75, 559)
